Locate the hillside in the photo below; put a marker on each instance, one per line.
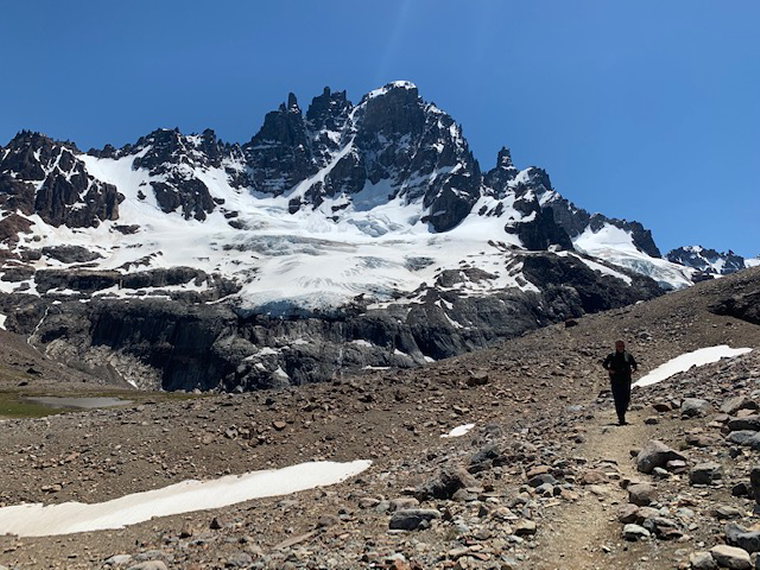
(539, 407)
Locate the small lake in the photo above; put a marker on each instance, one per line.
(78, 402)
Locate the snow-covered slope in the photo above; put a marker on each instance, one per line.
(369, 201)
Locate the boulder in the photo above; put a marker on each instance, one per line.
(702, 561)
(739, 536)
(447, 482)
(641, 494)
(731, 557)
(705, 473)
(732, 405)
(413, 519)
(693, 407)
(656, 454)
(634, 532)
(746, 423)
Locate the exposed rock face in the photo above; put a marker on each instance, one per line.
(192, 345)
(44, 177)
(708, 261)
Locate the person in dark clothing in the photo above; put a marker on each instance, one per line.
(620, 365)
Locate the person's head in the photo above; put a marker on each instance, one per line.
(619, 346)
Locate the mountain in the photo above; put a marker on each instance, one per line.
(345, 237)
(709, 262)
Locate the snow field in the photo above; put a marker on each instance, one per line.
(459, 431)
(187, 496)
(686, 361)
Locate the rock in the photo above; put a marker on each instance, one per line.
(694, 407)
(705, 473)
(542, 479)
(731, 557)
(524, 528)
(447, 482)
(702, 561)
(279, 425)
(403, 503)
(479, 378)
(661, 407)
(742, 538)
(732, 405)
(634, 532)
(751, 423)
(652, 420)
(655, 454)
(149, 565)
(486, 458)
(239, 560)
(119, 559)
(629, 514)
(754, 484)
(676, 466)
(641, 494)
(726, 513)
(593, 477)
(413, 519)
(215, 524)
(741, 437)
(326, 521)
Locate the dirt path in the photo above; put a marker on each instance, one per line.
(585, 534)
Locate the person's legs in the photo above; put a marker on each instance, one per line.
(621, 394)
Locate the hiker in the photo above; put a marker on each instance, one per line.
(620, 364)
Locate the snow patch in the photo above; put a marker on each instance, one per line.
(685, 361)
(459, 431)
(2, 321)
(187, 496)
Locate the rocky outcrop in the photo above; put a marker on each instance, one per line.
(707, 261)
(41, 176)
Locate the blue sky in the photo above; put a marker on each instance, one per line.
(644, 110)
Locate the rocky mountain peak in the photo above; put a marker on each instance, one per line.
(392, 111)
(39, 175)
(707, 261)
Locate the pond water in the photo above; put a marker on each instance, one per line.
(78, 402)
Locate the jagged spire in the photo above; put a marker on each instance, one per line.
(504, 158)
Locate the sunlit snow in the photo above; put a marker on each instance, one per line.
(67, 518)
(686, 361)
(616, 246)
(459, 431)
